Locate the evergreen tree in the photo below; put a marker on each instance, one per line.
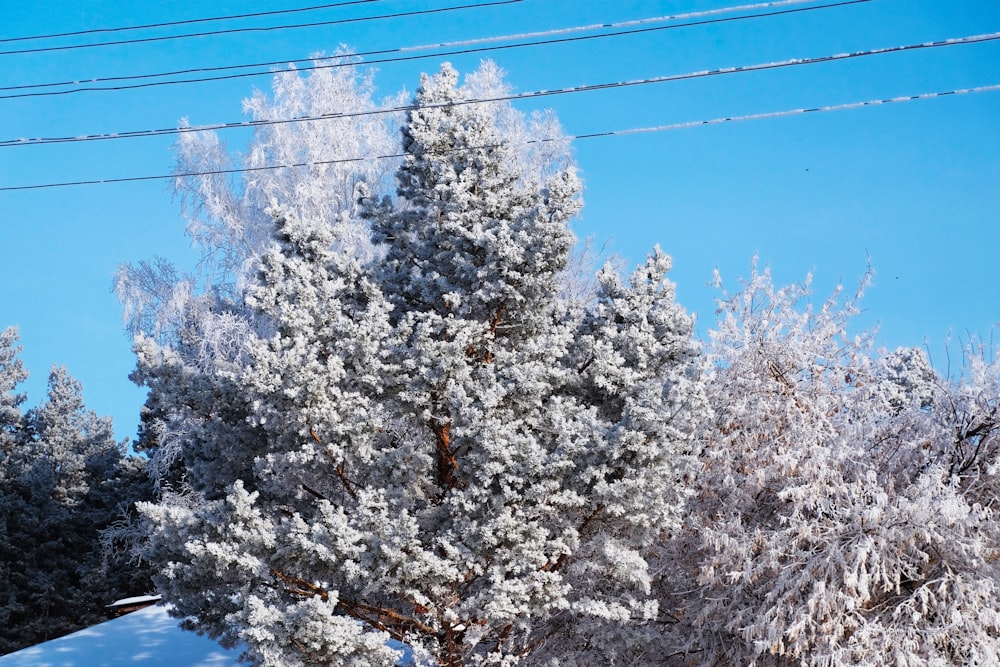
(12, 374)
(65, 479)
(434, 446)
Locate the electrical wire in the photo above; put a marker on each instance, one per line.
(794, 62)
(312, 63)
(592, 135)
(168, 24)
(229, 31)
(628, 24)
(788, 112)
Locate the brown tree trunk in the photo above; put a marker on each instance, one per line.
(452, 656)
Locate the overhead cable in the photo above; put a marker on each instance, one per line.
(793, 62)
(787, 112)
(636, 22)
(313, 64)
(228, 31)
(590, 135)
(168, 24)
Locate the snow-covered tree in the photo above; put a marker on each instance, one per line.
(12, 374)
(64, 479)
(845, 511)
(227, 215)
(434, 446)
(202, 313)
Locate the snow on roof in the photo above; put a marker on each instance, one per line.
(124, 602)
(145, 638)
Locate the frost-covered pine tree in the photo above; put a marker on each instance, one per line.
(63, 479)
(12, 374)
(435, 446)
(845, 511)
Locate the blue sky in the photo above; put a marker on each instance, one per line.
(913, 187)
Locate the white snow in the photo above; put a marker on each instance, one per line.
(136, 600)
(145, 638)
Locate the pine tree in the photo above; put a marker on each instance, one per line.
(435, 446)
(65, 479)
(12, 374)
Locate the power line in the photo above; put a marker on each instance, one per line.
(313, 65)
(794, 62)
(788, 112)
(467, 42)
(167, 24)
(228, 31)
(591, 135)
(636, 22)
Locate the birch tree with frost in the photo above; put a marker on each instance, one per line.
(428, 442)
(846, 509)
(227, 215)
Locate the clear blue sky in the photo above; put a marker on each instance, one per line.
(915, 187)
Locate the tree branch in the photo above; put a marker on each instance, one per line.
(447, 464)
(341, 472)
(554, 567)
(382, 618)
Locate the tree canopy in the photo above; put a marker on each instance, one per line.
(394, 409)
(63, 479)
(434, 445)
